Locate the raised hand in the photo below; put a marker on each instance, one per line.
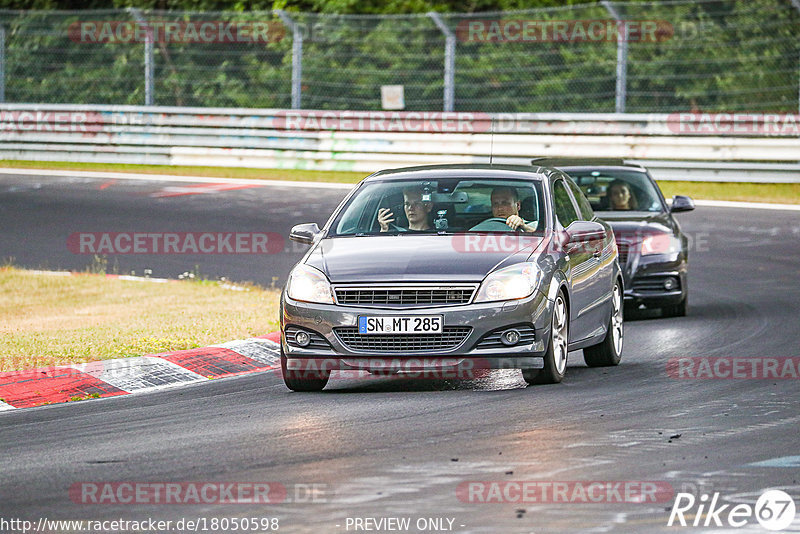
(385, 216)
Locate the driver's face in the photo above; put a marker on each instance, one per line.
(504, 205)
(416, 210)
(620, 197)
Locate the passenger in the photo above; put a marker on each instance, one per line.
(416, 210)
(505, 205)
(620, 196)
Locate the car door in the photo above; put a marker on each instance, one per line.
(580, 263)
(602, 272)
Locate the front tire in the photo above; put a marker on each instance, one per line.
(609, 351)
(555, 357)
(303, 380)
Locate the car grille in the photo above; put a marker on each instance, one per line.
(654, 284)
(623, 248)
(450, 338)
(400, 296)
(317, 340)
(492, 339)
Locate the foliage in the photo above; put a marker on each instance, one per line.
(711, 55)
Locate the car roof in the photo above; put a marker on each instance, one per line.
(587, 163)
(460, 170)
(572, 168)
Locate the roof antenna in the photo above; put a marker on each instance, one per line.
(491, 143)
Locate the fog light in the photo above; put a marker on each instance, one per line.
(670, 284)
(510, 337)
(302, 338)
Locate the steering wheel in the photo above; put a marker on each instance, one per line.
(502, 221)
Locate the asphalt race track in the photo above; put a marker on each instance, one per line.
(401, 447)
(37, 216)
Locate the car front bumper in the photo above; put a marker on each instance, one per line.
(477, 350)
(644, 277)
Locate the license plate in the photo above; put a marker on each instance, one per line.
(411, 324)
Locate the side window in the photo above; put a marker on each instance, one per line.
(580, 198)
(360, 214)
(562, 203)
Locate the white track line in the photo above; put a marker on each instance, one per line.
(172, 178)
(318, 185)
(747, 205)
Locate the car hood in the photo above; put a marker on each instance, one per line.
(630, 225)
(430, 258)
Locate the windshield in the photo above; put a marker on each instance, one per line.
(612, 190)
(437, 206)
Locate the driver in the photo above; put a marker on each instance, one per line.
(416, 212)
(505, 205)
(619, 192)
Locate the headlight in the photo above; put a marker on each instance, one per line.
(660, 244)
(514, 282)
(309, 285)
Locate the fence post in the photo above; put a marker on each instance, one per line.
(148, 57)
(2, 64)
(796, 4)
(449, 61)
(622, 58)
(297, 57)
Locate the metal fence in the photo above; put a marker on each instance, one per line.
(709, 55)
(673, 146)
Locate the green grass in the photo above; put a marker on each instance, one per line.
(748, 192)
(54, 320)
(738, 191)
(213, 172)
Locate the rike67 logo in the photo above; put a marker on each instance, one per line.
(774, 510)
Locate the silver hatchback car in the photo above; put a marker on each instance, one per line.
(453, 267)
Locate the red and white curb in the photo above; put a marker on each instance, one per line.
(123, 376)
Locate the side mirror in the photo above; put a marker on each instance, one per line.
(681, 203)
(304, 233)
(583, 231)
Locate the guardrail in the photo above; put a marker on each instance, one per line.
(740, 147)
